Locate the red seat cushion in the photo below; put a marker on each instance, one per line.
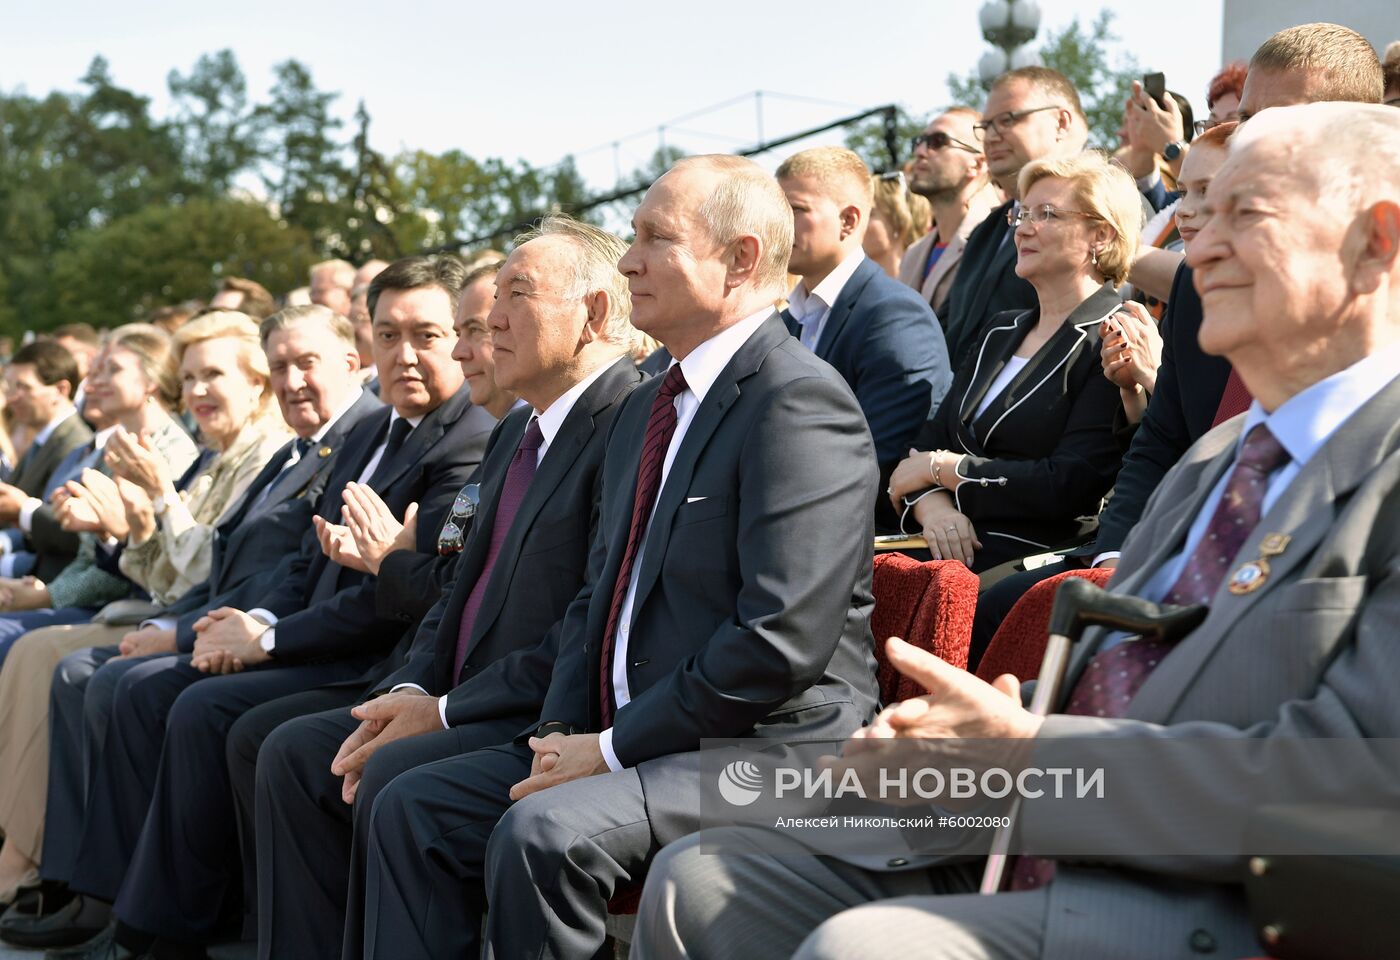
(1019, 643)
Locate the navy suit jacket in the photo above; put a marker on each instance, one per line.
(985, 286)
(251, 543)
(327, 611)
(752, 604)
(539, 568)
(883, 338)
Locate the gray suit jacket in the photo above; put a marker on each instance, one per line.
(1312, 653)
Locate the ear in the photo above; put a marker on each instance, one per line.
(352, 360)
(852, 217)
(1380, 251)
(743, 256)
(65, 388)
(597, 306)
(1064, 124)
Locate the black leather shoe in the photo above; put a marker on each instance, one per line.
(104, 946)
(78, 921)
(47, 897)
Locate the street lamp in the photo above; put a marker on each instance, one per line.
(1008, 25)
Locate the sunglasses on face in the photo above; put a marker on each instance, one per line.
(452, 538)
(939, 140)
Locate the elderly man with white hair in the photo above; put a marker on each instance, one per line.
(1282, 522)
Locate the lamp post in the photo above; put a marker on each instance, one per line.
(1008, 25)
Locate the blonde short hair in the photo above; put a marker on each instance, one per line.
(595, 268)
(231, 325)
(1104, 189)
(835, 168)
(1344, 63)
(747, 202)
(909, 215)
(343, 270)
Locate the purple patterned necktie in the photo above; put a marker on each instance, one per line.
(518, 476)
(1114, 676)
(661, 426)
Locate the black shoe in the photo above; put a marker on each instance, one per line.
(104, 946)
(78, 921)
(49, 896)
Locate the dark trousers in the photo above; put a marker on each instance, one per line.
(445, 839)
(76, 734)
(304, 828)
(160, 837)
(994, 603)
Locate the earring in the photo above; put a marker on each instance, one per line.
(1094, 256)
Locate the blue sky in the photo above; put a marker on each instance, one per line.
(545, 78)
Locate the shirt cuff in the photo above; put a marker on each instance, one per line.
(442, 712)
(1147, 183)
(268, 640)
(7, 566)
(609, 757)
(1106, 555)
(263, 615)
(26, 513)
(160, 623)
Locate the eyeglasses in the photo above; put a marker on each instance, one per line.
(452, 539)
(1044, 212)
(938, 140)
(1201, 126)
(1005, 121)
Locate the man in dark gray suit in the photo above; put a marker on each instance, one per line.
(480, 662)
(1282, 520)
(728, 595)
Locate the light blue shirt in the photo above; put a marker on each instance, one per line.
(1302, 424)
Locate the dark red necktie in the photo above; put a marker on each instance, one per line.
(1114, 676)
(1233, 401)
(518, 476)
(661, 426)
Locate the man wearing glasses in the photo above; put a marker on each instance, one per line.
(1030, 113)
(950, 172)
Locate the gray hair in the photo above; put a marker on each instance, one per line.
(747, 202)
(339, 326)
(595, 268)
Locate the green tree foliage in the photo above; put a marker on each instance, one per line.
(1083, 55)
(107, 210)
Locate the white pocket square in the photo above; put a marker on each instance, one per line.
(695, 499)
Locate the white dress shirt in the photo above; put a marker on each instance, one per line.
(802, 303)
(1301, 424)
(702, 368)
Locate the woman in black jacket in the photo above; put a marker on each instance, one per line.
(1023, 444)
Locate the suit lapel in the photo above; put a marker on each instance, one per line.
(708, 417)
(997, 347)
(478, 544)
(1305, 513)
(428, 432)
(1001, 256)
(845, 303)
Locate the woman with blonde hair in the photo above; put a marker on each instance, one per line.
(168, 527)
(898, 218)
(1023, 444)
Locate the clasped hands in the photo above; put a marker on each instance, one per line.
(370, 532)
(226, 641)
(948, 531)
(410, 712)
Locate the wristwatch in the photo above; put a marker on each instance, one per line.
(1174, 149)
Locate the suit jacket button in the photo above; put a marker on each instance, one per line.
(1202, 941)
(897, 862)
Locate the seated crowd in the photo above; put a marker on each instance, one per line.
(388, 620)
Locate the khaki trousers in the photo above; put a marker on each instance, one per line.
(24, 725)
